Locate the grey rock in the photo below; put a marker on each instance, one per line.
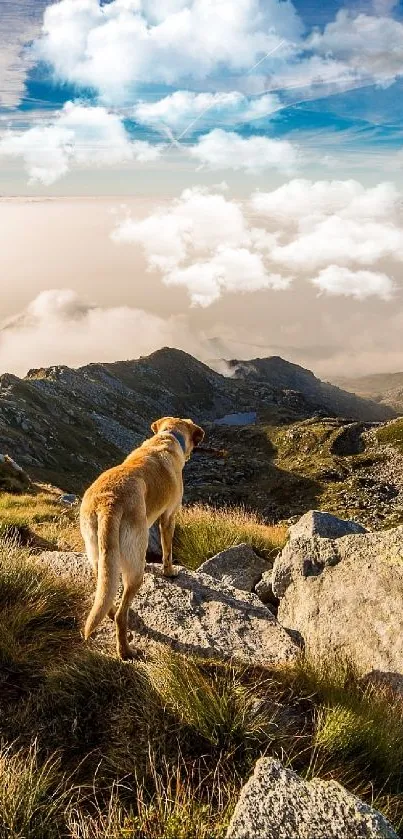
(239, 566)
(154, 541)
(68, 498)
(264, 589)
(277, 804)
(302, 557)
(192, 613)
(353, 609)
(317, 523)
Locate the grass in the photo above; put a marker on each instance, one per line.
(95, 748)
(203, 531)
(392, 434)
(39, 513)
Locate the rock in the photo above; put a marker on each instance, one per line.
(277, 804)
(12, 476)
(302, 557)
(239, 566)
(264, 591)
(193, 613)
(69, 498)
(154, 550)
(350, 607)
(317, 523)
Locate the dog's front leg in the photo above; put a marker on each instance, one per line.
(167, 527)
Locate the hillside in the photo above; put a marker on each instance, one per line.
(284, 375)
(384, 388)
(64, 425)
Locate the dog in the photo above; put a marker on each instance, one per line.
(119, 508)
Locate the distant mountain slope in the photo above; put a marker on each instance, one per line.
(384, 388)
(285, 375)
(66, 425)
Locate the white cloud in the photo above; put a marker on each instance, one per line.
(337, 280)
(79, 134)
(205, 243)
(227, 150)
(185, 109)
(117, 46)
(332, 222)
(228, 270)
(19, 23)
(58, 327)
(368, 45)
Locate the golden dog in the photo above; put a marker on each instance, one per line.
(119, 508)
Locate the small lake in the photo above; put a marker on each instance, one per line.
(238, 419)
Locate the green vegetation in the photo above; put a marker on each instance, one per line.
(204, 531)
(392, 434)
(39, 514)
(95, 748)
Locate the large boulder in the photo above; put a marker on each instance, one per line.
(277, 804)
(239, 566)
(345, 598)
(192, 613)
(325, 525)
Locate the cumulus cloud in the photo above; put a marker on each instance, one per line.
(366, 45)
(338, 222)
(185, 110)
(58, 327)
(207, 243)
(78, 135)
(117, 46)
(337, 280)
(227, 150)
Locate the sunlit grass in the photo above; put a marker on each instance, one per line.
(204, 531)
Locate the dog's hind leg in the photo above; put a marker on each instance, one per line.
(167, 528)
(133, 548)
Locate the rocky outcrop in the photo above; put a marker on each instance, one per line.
(345, 598)
(192, 613)
(239, 566)
(277, 804)
(318, 523)
(12, 477)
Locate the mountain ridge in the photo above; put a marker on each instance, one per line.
(64, 425)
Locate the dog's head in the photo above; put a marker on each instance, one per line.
(191, 433)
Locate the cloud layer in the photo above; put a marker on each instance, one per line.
(58, 327)
(328, 232)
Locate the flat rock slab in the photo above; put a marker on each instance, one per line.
(352, 606)
(193, 613)
(325, 525)
(239, 566)
(277, 804)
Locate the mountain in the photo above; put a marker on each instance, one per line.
(287, 376)
(384, 388)
(65, 425)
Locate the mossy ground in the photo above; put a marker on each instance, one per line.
(392, 434)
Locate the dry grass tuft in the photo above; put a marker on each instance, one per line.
(203, 531)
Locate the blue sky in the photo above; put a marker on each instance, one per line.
(146, 85)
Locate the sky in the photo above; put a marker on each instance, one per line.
(224, 176)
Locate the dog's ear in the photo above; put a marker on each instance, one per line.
(155, 426)
(197, 435)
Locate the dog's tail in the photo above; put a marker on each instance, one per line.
(108, 570)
